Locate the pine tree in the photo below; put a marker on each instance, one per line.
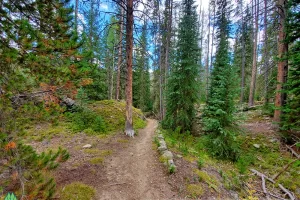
(218, 113)
(182, 93)
(141, 75)
(291, 114)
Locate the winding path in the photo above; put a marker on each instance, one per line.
(135, 172)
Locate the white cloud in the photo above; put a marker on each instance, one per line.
(104, 6)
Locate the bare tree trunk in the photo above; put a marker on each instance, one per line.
(202, 22)
(282, 64)
(129, 51)
(243, 60)
(168, 40)
(254, 63)
(213, 35)
(76, 15)
(161, 97)
(266, 57)
(207, 55)
(119, 56)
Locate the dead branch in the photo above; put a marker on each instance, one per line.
(261, 174)
(293, 152)
(287, 192)
(273, 195)
(283, 170)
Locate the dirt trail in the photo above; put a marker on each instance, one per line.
(135, 172)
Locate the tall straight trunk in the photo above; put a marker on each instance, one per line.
(243, 60)
(212, 36)
(202, 22)
(129, 51)
(280, 97)
(168, 40)
(76, 15)
(119, 56)
(266, 57)
(254, 63)
(111, 75)
(207, 55)
(161, 72)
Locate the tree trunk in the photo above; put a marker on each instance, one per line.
(119, 56)
(282, 63)
(76, 15)
(243, 60)
(254, 63)
(207, 55)
(129, 51)
(213, 35)
(266, 57)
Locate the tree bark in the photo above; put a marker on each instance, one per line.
(76, 15)
(207, 55)
(243, 59)
(254, 63)
(212, 36)
(266, 57)
(282, 64)
(129, 51)
(119, 56)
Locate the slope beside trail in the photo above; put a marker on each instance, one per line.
(135, 172)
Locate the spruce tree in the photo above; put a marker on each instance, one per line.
(218, 113)
(182, 87)
(141, 75)
(291, 114)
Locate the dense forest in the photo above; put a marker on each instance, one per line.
(217, 82)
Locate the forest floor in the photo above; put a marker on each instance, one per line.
(115, 166)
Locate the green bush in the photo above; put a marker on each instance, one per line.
(84, 119)
(224, 145)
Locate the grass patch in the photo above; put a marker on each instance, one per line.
(77, 191)
(194, 190)
(98, 152)
(97, 160)
(209, 179)
(122, 140)
(47, 131)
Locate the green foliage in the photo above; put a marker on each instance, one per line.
(224, 145)
(200, 162)
(244, 161)
(87, 119)
(171, 169)
(182, 86)
(10, 196)
(218, 112)
(34, 167)
(78, 191)
(141, 75)
(291, 116)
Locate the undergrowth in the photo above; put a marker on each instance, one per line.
(249, 151)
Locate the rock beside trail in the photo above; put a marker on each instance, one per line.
(165, 153)
(168, 155)
(87, 146)
(256, 146)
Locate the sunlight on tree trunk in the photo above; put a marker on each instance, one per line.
(129, 51)
(282, 64)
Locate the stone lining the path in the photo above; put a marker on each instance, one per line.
(163, 150)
